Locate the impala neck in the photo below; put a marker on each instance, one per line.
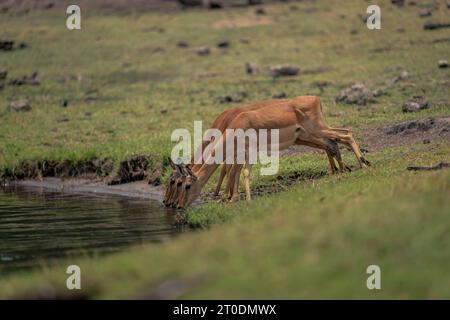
(205, 173)
(203, 176)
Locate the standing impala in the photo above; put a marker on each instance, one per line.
(299, 121)
(222, 122)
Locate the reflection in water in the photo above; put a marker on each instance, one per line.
(36, 227)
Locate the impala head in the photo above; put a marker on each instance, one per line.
(190, 189)
(175, 182)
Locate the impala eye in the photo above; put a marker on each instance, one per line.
(172, 181)
(188, 187)
(179, 184)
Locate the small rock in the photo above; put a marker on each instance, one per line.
(158, 49)
(3, 74)
(398, 3)
(280, 95)
(378, 93)
(182, 44)
(356, 94)
(214, 4)
(23, 45)
(434, 26)
(251, 68)
(426, 141)
(65, 103)
(203, 51)
(223, 44)
(425, 13)
(410, 107)
(402, 76)
(233, 97)
(421, 100)
(6, 45)
(321, 84)
(442, 64)
(260, 11)
(25, 80)
(20, 106)
(49, 5)
(415, 104)
(284, 70)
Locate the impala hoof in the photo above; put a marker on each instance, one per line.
(366, 162)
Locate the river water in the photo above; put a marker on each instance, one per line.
(38, 227)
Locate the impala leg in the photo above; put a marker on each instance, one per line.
(348, 140)
(333, 150)
(341, 163)
(230, 181)
(344, 136)
(223, 172)
(333, 167)
(231, 188)
(362, 161)
(247, 168)
(237, 175)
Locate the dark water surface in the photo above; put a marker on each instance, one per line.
(38, 227)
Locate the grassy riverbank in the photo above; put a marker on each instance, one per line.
(117, 88)
(314, 241)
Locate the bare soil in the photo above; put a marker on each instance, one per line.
(408, 132)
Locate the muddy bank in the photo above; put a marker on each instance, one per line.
(274, 185)
(408, 132)
(133, 168)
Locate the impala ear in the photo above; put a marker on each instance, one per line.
(179, 169)
(183, 169)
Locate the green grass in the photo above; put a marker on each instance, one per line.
(314, 240)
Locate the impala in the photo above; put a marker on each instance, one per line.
(222, 122)
(299, 121)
